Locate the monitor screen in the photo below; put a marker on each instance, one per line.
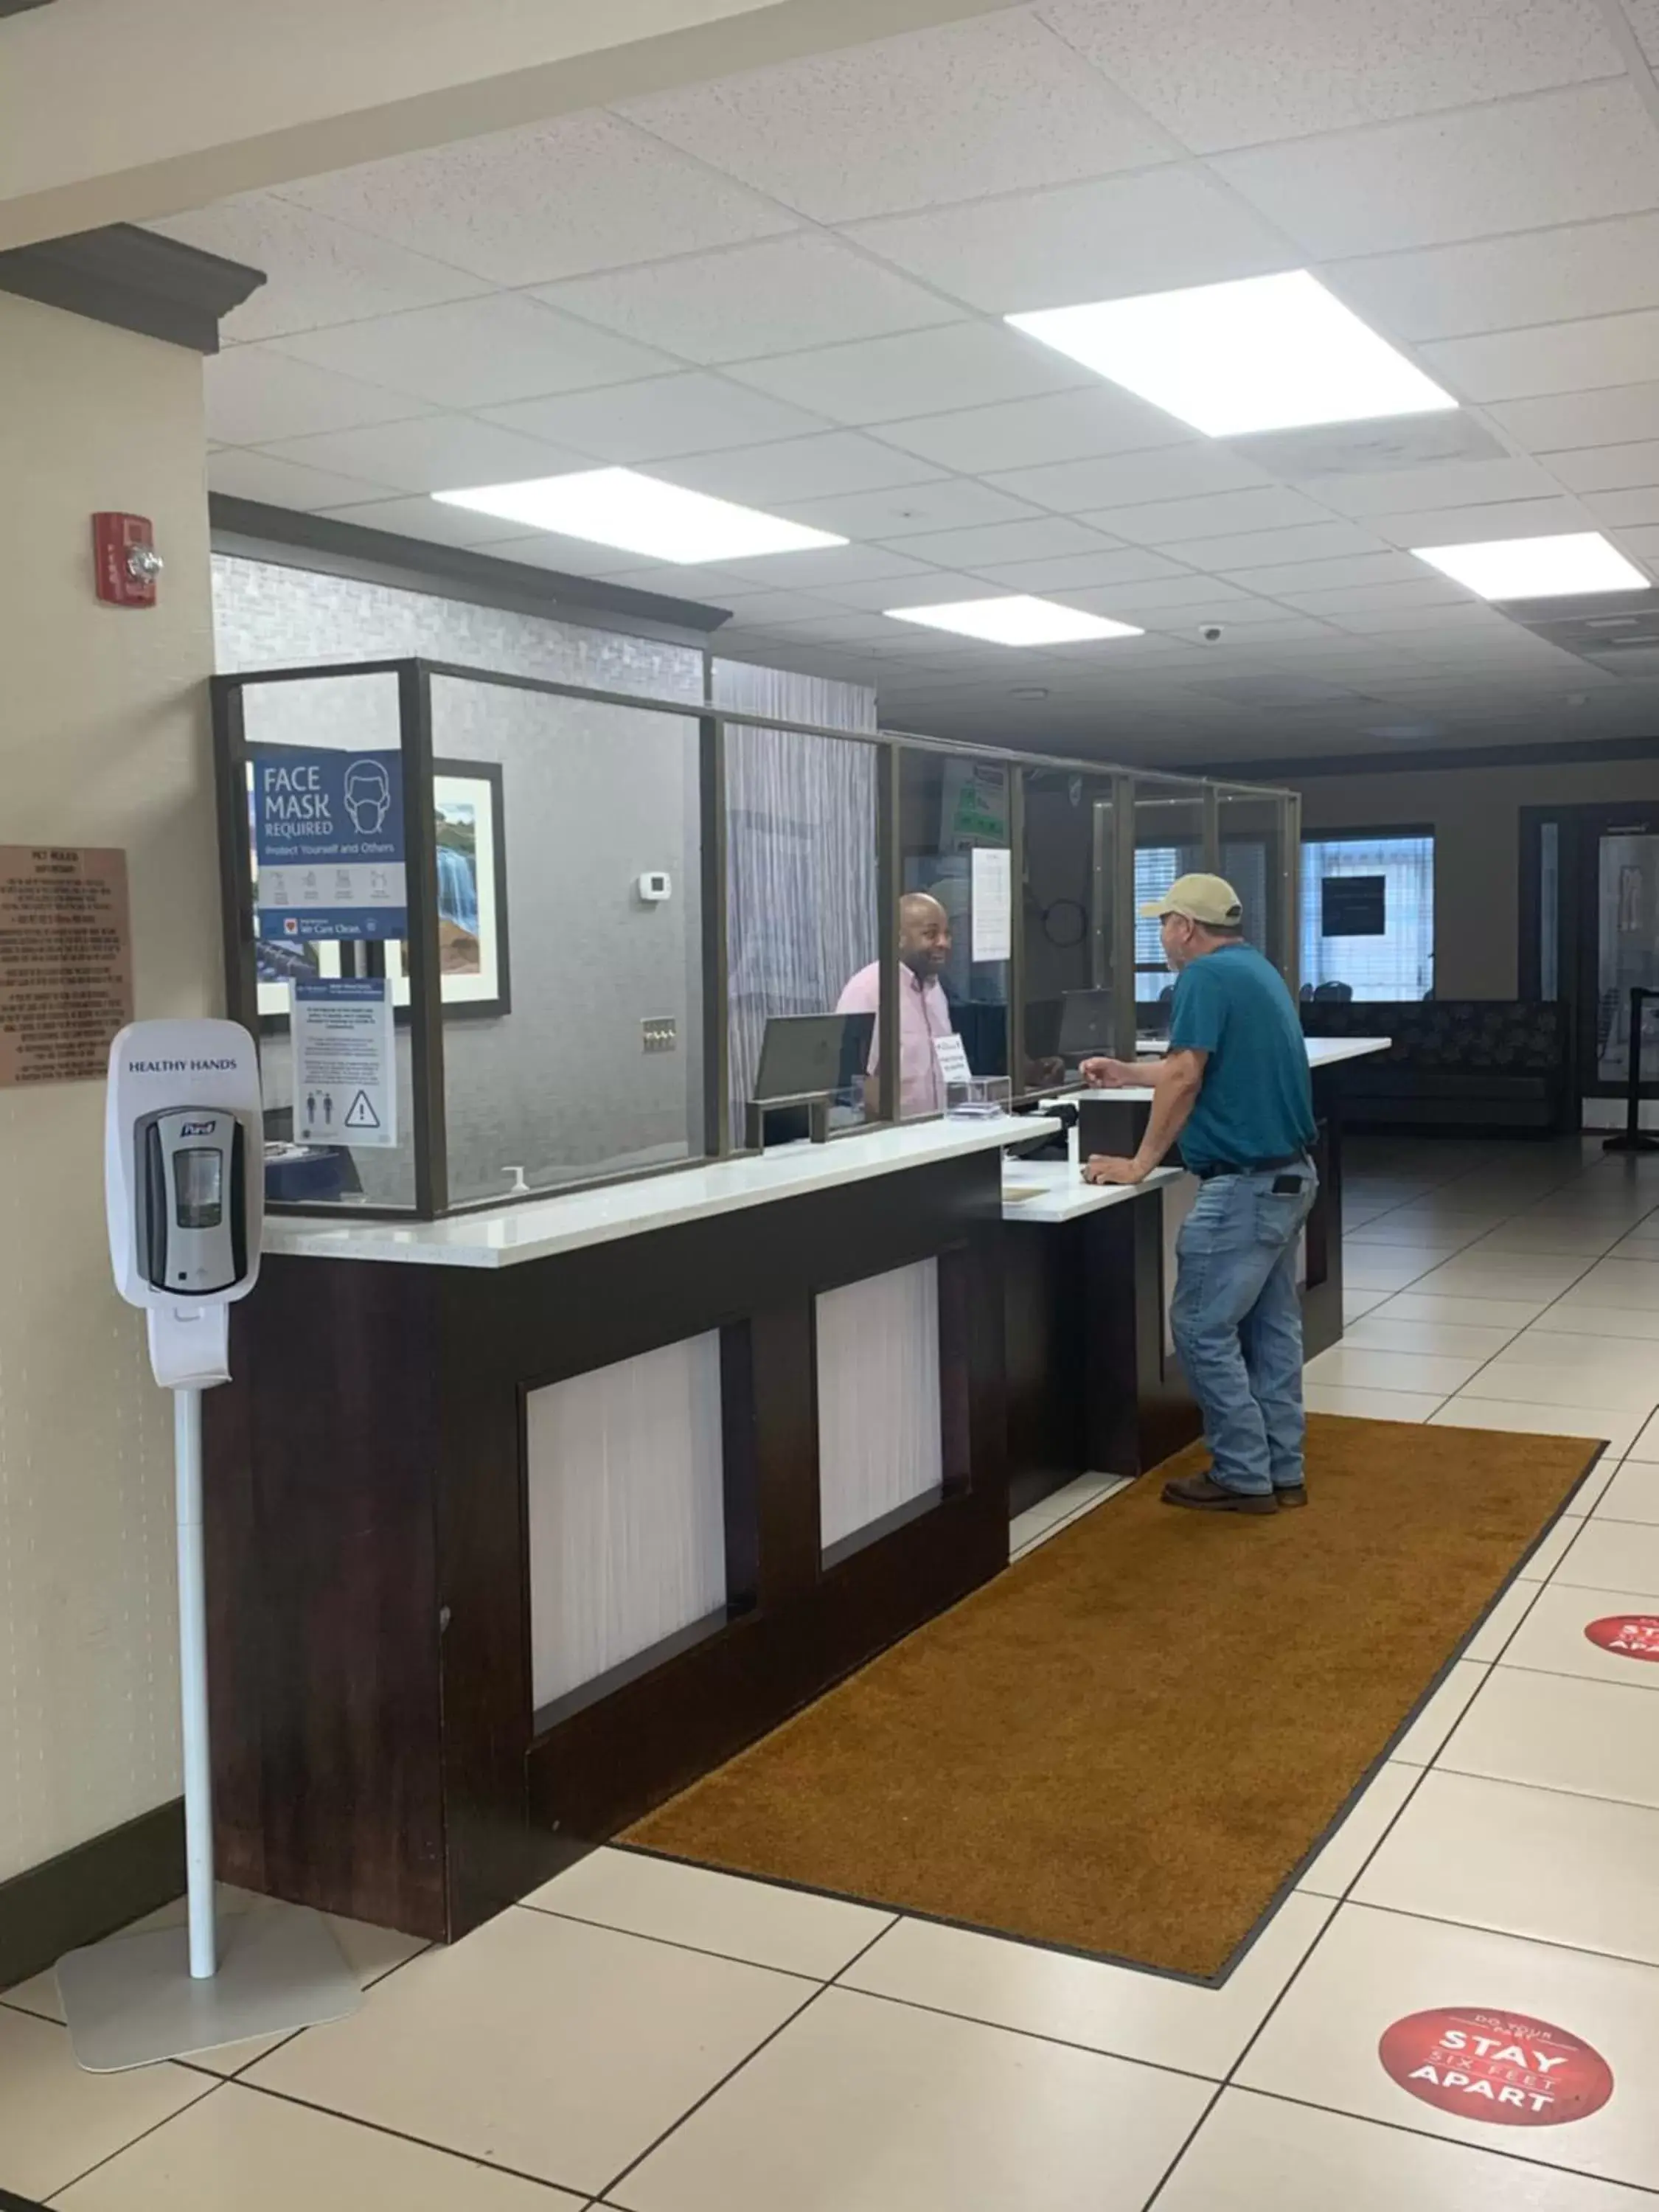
(1085, 1024)
(813, 1055)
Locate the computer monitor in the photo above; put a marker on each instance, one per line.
(813, 1055)
(1085, 1024)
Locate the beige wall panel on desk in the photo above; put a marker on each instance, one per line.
(880, 1437)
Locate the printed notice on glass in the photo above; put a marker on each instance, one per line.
(993, 904)
(65, 961)
(328, 841)
(345, 1069)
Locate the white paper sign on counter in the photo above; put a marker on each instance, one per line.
(952, 1056)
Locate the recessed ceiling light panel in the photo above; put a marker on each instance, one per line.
(1537, 567)
(1015, 620)
(620, 506)
(1268, 353)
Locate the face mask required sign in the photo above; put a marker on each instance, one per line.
(346, 1071)
(328, 839)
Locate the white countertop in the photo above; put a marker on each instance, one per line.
(1322, 1051)
(502, 1235)
(1061, 1192)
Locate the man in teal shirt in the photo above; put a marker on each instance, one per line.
(1234, 1088)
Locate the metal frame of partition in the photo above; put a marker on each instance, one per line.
(414, 677)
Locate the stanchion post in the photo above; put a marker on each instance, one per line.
(1634, 1137)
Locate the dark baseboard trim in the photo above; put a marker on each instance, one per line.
(335, 548)
(136, 280)
(1415, 761)
(89, 1892)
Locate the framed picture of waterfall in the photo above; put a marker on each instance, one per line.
(467, 800)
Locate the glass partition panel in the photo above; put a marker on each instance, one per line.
(322, 1149)
(1067, 935)
(802, 920)
(570, 929)
(955, 869)
(1168, 828)
(1256, 853)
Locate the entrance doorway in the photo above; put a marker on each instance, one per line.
(1589, 924)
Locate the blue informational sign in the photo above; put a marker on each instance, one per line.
(328, 839)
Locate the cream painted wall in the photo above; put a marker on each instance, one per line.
(1476, 817)
(103, 741)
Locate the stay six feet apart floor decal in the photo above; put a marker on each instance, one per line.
(1497, 2066)
(1627, 1635)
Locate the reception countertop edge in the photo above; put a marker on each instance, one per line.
(505, 1235)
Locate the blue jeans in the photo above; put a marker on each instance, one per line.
(1236, 1321)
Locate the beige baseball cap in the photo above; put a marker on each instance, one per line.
(1208, 899)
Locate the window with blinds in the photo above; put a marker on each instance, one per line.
(1394, 962)
(1244, 865)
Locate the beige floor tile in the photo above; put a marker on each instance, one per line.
(1596, 1423)
(554, 2049)
(57, 2122)
(1358, 1368)
(1338, 1863)
(1623, 1283)
(1576, 1316)
(1497, 1275)
(1418, 1232)
(1384, 1267)
(790, 1930)
(1612, 1555)
(1256, 2154)
(238, 2151)
(1494, 1632)
(1375, 1969)
(1087, 2000)
(1561, 1732)
(1549, 1239)
(1357, 1304)
(1429, 1731)
(1445, 1340)
(1510, 1315)
(1646, 1443)
(1553, 1639)
(861, 2106)
(1471, 1849)
(1630, 1493)
(1519, 1379)
(1369, 1405)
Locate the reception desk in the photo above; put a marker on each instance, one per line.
(519, 1522)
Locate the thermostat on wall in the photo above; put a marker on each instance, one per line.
(655, 886)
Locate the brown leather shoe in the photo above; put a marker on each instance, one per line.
(1291, 1498)
(1206, 1496)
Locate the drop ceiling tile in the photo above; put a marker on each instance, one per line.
(794, 468)
(929, 117)
(884, 379)
(1644, 21)
(1236, 77)
(478, 353)
(696, 412)
(949, 503)
(1443, 628)
(759, 608)
(1584, 268)
(1069, 572)
(1276, 507)
(1149, 233)
(579, 556)
(1560, 357)
(418, 517)
(935, 589)
(1335, 602)
(1269, 549)
(817, 567)
(552, 199)
(1618, 510)
(1183, 601)
(241, 474)
(779, 296)
(1030, 433)
(255, 397)
(1619, 415)
(1132, 479)
(1561, 157)
(1607, 468)
(434, 452)
(317, 271)
(1362, 569)
(1447, 483)
(1046, 538)
(1473, 526)
(1641, 542)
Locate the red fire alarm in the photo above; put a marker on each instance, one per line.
(125, 560)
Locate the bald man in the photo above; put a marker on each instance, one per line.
(924, 946)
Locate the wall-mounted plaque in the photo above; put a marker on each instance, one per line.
(65, 961)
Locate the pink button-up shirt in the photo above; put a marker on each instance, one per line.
(924, 1014)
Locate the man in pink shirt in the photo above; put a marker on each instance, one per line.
(924, 1012)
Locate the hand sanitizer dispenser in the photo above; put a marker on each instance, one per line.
(182, 1151)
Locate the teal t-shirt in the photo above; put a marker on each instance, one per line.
(1257, 1102)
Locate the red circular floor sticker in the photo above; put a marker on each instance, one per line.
(1496, 2066)
(1630, 1635)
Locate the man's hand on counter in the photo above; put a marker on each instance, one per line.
(1113, 1074)
(1102, 1168)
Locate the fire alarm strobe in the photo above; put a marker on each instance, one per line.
(126, 559)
